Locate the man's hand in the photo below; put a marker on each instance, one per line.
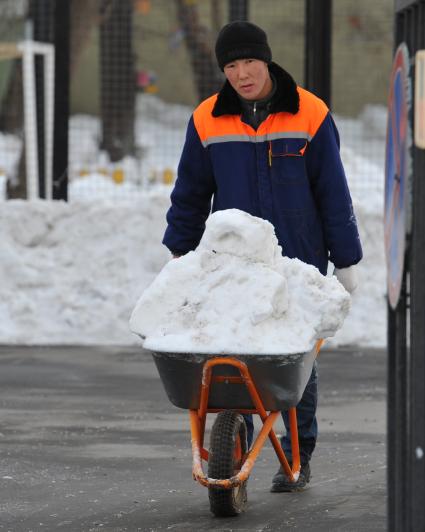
(347, 277)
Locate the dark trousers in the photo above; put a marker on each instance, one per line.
(306, 421)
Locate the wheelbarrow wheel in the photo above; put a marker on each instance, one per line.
(228, 446)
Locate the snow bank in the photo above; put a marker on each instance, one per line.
(71, 273)
(84, 188)
(366, 323)
(10, 152)
(2, 187)
(99, 255)
(237, 294)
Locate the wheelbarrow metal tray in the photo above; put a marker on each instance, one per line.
(280, 379)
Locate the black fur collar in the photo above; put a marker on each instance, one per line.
(286, 98)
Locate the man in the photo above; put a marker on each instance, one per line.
(270, 148)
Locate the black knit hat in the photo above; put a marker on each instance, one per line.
(241, 40)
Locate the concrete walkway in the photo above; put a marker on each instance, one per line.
(90, 442)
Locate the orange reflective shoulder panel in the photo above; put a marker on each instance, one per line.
(230, 128)
(303, 124)
(202, 116)
(315, 109)
(222, 129)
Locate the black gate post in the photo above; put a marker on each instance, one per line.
(118, 89)
(61, 39)
(417, 309)
(417, 314)
(238, 10)
(397, 413)
(406, 363)
(318, 46)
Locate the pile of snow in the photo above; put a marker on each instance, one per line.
(237, 294)
(71, 273)
(3, 183)
(366, 324)
(159, 129)
(10, 151)
(83, 188)
(84, 140)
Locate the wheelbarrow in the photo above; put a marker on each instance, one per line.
(231, 386)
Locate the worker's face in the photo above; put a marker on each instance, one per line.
(249, 77)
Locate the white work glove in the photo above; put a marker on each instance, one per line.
(347, 277)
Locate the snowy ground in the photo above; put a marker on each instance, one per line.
(72, 273)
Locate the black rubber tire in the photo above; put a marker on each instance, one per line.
(227, 428)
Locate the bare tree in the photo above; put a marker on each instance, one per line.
(118, 88)
(206, 74)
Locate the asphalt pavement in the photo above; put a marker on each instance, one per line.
(90, 442)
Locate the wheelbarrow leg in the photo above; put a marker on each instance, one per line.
(292, 473)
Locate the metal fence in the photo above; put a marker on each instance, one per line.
(361, 64)
(139, 67)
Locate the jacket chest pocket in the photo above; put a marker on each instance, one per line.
(286, 161)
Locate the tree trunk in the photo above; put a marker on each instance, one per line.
(117, 78)
(204, 66)
(11, 116)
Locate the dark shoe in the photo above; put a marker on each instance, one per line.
(281, 482)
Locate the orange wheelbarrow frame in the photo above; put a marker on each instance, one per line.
(198, 420)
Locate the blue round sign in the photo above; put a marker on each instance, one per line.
(397, 173)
